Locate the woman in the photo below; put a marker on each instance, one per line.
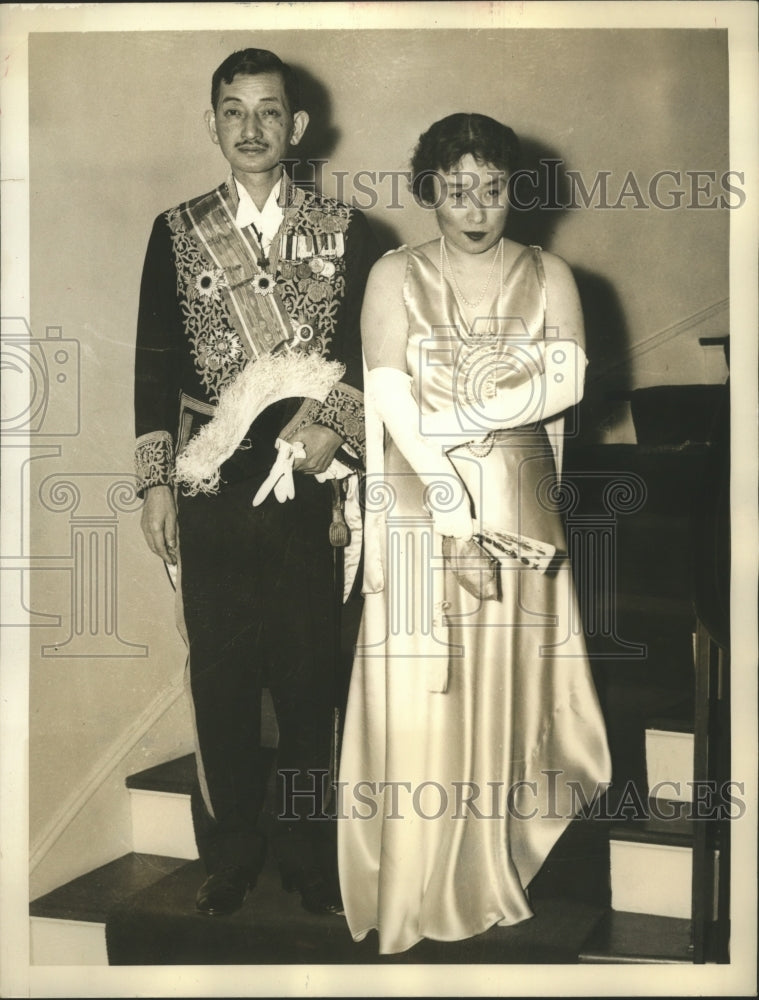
(471, 710)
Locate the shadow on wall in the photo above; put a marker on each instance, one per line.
(539, 200)
(539, 190)
(387, 236)
(319, 143)
(607, 381)
(322, 135)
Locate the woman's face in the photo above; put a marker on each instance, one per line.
(471, 205)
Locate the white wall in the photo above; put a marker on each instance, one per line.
(117, 135)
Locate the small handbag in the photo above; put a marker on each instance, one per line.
(476, 562)
(476, 569)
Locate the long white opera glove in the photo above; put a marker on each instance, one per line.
(555, 382)
(390, 393)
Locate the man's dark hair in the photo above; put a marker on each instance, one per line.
(251, 62)
(448, 140)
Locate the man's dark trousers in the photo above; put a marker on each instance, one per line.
(259, 611)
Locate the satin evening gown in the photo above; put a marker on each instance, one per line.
(473, 730)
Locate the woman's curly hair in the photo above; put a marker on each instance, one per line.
(445, 143)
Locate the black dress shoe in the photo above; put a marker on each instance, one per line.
(318, 893)
(224, 891)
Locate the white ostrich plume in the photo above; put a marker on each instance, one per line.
(259, 384)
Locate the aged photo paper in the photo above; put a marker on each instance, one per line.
(642, 120)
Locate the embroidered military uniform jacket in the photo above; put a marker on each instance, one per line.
(210, 305)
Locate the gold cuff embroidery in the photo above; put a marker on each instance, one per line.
(154, 460)
(343, 412)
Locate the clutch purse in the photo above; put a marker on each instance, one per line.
(476, 562)
(474, 567)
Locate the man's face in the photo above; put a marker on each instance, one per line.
(253, 124)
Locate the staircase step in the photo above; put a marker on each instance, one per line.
(638, 938)
(90, 896)
(667, 822)
(67, 925)
(669, 764)
(176, 776)
(650, 878)
(659, 607)
(651, 861)
(674, 723)
(159, 799)
(160, 926)
(655, 878)
(66, 942)
(577, 866)
(162, 824)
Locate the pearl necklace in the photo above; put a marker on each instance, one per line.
(459, 294)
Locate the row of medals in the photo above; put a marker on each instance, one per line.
(317, 269)
(313, 267)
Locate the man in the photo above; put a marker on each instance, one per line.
(242, 289)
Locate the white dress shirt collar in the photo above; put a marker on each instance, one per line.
(266, 220)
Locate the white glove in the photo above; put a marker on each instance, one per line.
(557, 382)
(280, 479)
(335, 470)
(389, 391)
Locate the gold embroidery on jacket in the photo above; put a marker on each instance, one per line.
(310, 277)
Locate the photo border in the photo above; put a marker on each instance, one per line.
(737, 978)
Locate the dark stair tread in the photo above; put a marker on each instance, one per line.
(178, 776)
(160, 926)
(175, 776)
(630, 817)
(672, 826)
(671, 608)
(577, 866)
(672, 723)
(91, 896)
(633, 938)
(668, 823)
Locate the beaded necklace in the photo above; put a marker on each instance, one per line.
(444, 259)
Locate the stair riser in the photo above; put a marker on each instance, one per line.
(645, 878)
(66, 942)
(162, 824)
(669, 764)
(653, 878)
